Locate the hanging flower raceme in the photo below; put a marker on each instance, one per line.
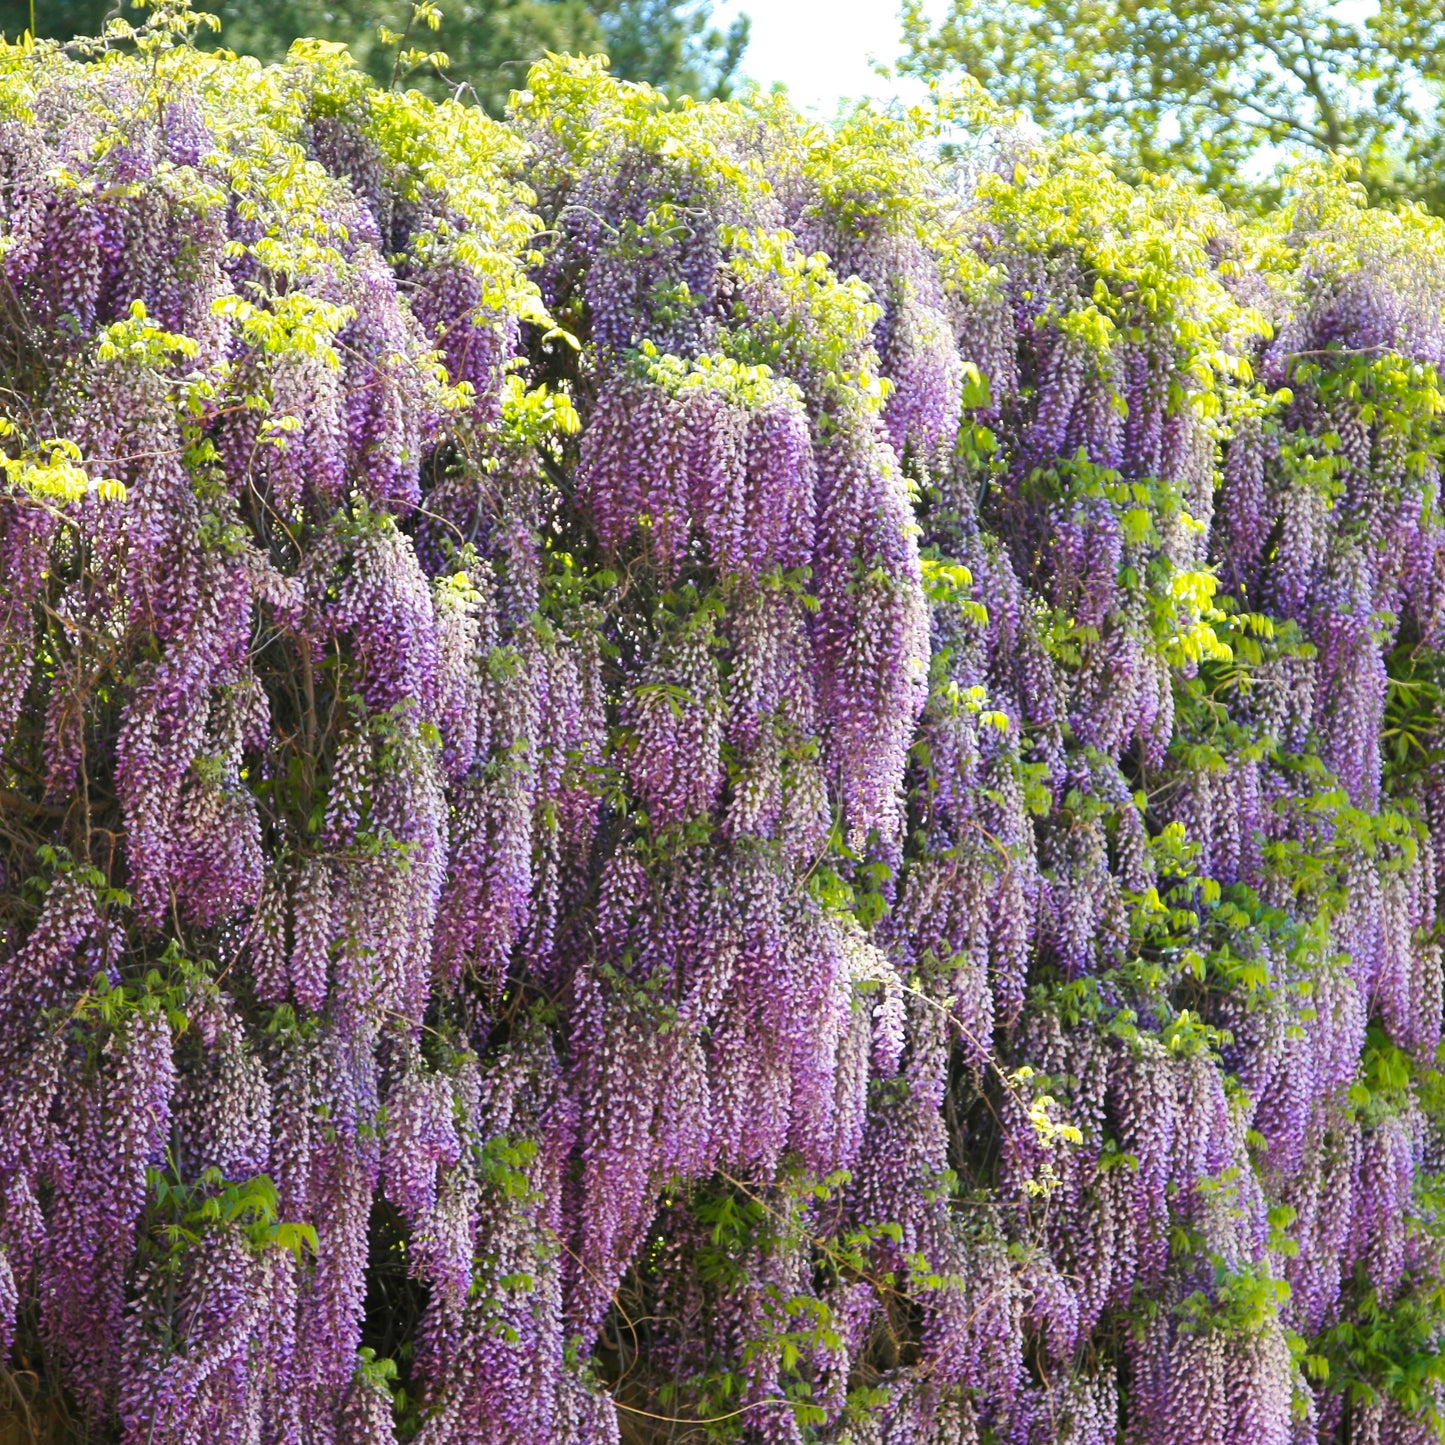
(772, 786)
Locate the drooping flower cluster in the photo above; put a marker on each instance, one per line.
(761, 782)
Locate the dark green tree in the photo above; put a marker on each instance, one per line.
(673, 46)
(1216, 91)
(489, 44)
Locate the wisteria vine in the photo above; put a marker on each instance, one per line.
(672, 774)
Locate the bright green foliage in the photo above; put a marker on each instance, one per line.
(488, 45)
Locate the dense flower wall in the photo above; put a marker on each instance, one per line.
(670, 774)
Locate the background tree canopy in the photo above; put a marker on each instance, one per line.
(670, 44)
(1213, 91)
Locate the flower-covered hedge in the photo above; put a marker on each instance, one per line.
(674, 774)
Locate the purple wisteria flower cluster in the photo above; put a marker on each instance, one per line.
(668, 774)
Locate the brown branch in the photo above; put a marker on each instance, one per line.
(9, 799)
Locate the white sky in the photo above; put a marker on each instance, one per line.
(821, 49)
